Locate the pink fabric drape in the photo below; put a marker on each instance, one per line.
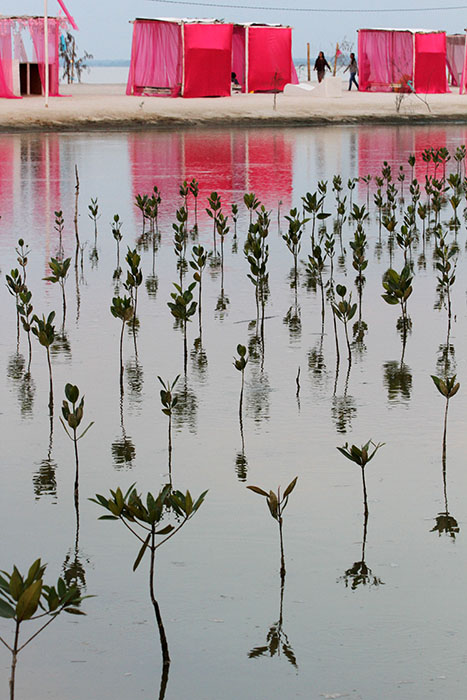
(430, 63)
(269, 58)
(208, 60)
(6, 65)
(238, 54)
(36, 27)
(385, 59)
(455, 50)
(156, 56)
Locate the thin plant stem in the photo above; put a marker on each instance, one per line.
(160, 624)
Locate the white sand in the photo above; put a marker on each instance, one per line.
(107, 106)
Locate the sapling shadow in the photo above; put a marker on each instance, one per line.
(277, 504)
(360, 573)
(25, 598)
(44, 330)
(169, 401)
(144, 519)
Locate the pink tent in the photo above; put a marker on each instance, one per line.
(195, 58)
(16, 66)
(455, 51)
(394, 60)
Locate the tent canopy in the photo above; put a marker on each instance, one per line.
(13, 51)
(391, 60)
(195, 58)
(455, 50)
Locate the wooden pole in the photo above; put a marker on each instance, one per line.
(335, 60)
(308, 63)
(46, 54)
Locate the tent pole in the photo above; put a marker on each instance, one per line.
(247, 37)
(308, 64)
(46, 54)
(183, 60)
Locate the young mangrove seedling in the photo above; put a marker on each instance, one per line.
(134, 279)
(22, 252)
(15, 285)
(59, 226)
(94, 215)
(122, 308)
(361, 456)
(25, 309)
(28, 598)
(312, 204)
(117, 234)
(234, 208)
(182, 307)
(169, 401)
(240, 363)
(345, 311)
(152, 210)
(222, 230)
(73, 415)
(198, 263)
(194, 189)
(398, 290)
(44, 330)
(143, 518)
(213, 211)
(251, 203)
(141, 201)
(59, 273)
(184, 192)
(448, 388)
(293, 238)
(276, 504)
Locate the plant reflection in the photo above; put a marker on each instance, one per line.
(24, 382)
(360, 573)
(61, 345)
(259, 389)
(199, 359)
(123, 449)
(186, 410)
(135, 380)
(44, 480)
(277, 641)
(398, 381)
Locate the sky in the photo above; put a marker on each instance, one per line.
(105, 29)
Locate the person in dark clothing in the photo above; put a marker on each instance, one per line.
(320, 66)
(353, 68)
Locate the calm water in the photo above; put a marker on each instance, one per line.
(218, 580)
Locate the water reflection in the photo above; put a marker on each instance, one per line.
(135, 381)
(199, 360)
(277, 641)
(360, 574)
(123, 449)
(185, 413)
(23, 382)
(258, 393)
(398, 381)
(44, 480)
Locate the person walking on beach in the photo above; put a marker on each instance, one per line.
(320, 66)
(353, 68)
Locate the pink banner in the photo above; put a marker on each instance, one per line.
(68, 16)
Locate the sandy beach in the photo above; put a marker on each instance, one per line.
(94, 106)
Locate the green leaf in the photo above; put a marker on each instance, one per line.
(141, 552)
(29, 601)
(74, 611)
(290, 487)
(256, 489)
(6, 610)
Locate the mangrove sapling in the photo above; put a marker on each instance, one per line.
(25, 309)
(117, 234)
(446, 261)
(401, 178)
(122, 308)
(345, 311)
(44, 330)
(251, 203)
(234, 209)
(366, 179)
(315, 268)
(214, 202)
(459, 157)
(257, 254)
(398, 288)
(75, 217)
(337, 187)
(361, 456)
(22, 252)
(73, 415)
(351, 182)
(240, 363)
(144, 519)
(293, 239)
(59, 273)
(312, 204)
(194, 189)
(180, 239)
(447, 387)
(169, 401)
(277, 504)
(184, 192)
(198, 263)
(59, 226)
(134, 279)
(94, 215)
(411, 162)
(15, 285)
(182, 307)
(141, 201)
(455, 183)
(222, 230)
(152, 210)
(28, 598)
